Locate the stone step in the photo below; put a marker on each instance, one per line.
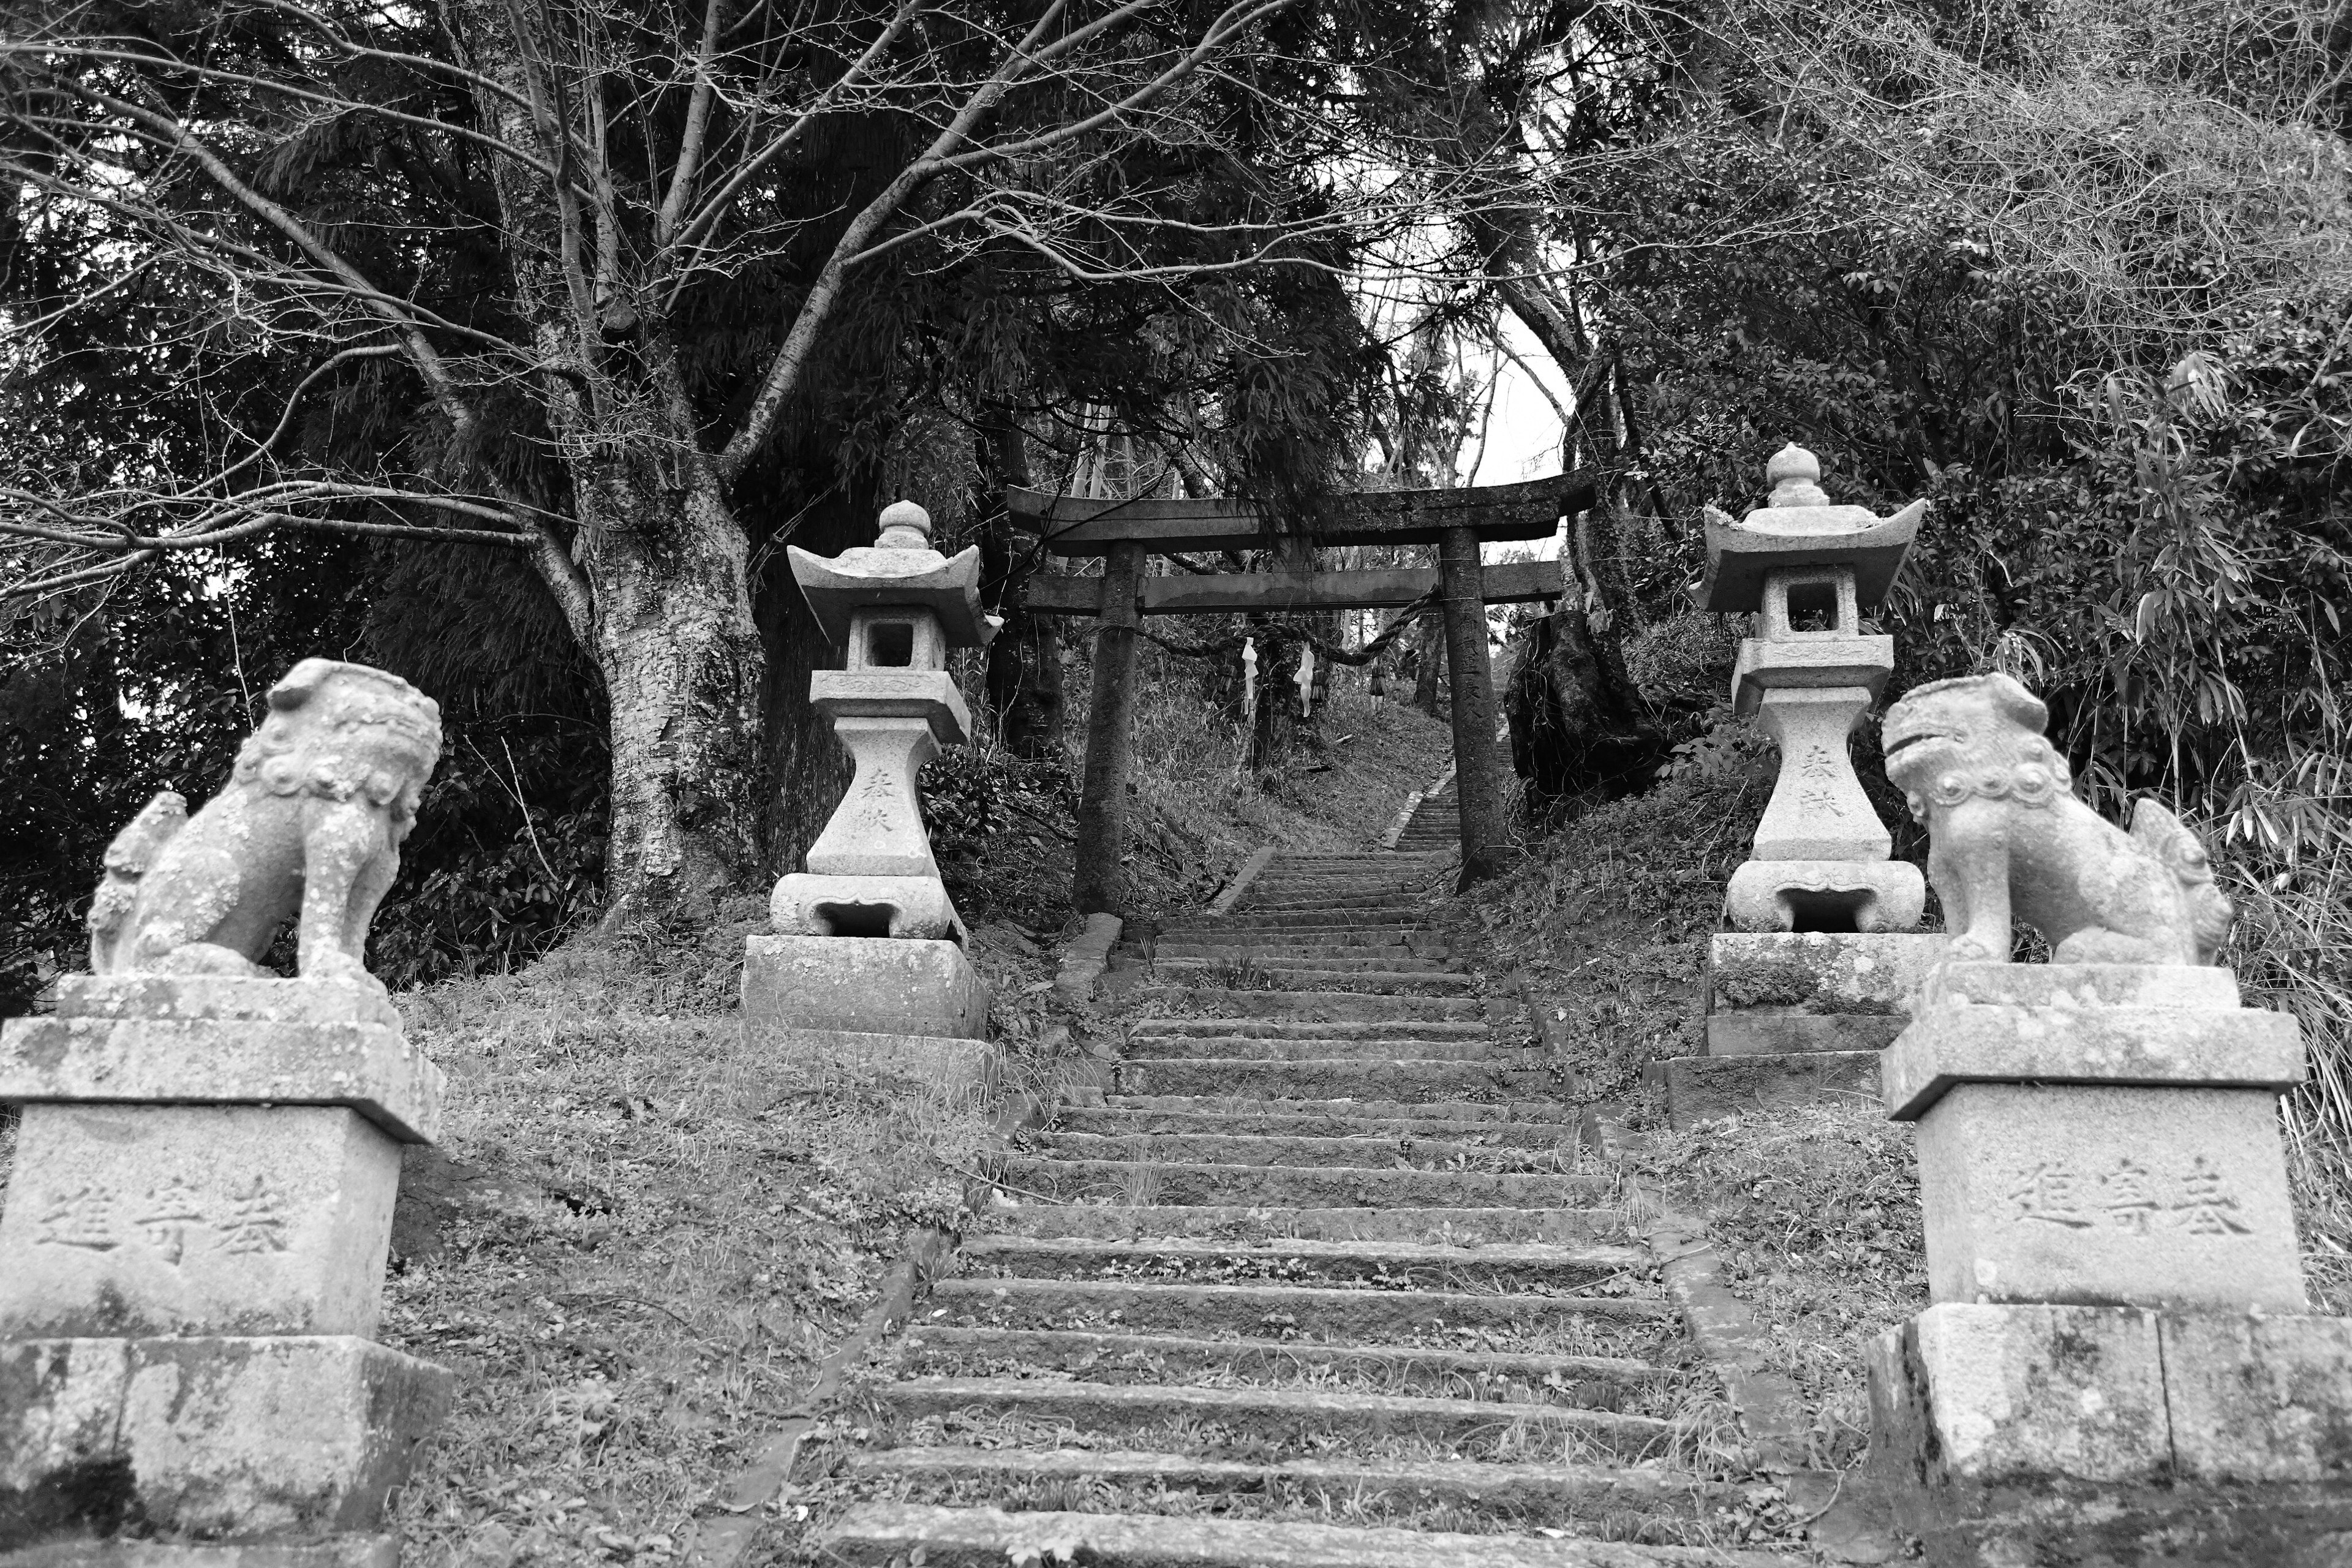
(1515, 1429)
(1597, 1382)
(1252, 1149)
(1285, 979)
(1532, 1495)
(1293, 1186)
(1375, 955)
(1612, 1325)
(1326, 1077)
(1467, 1226)
(1331, 904)
(1532, 1110)
(1291, 920)
(1382, 939)
(1329, 1005)
(1360, 982)
(1309, 1029)
(1268, 1048)
(881, 1532)
(1332, 961)
(1388, 1264)
(1121, 1123)
(1264, 894)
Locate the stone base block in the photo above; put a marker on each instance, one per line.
(1784, 1034)
(2157, 1047)
(2030, 1434)
(219, 1040)
(863, 986)
(953, 1068)
(2108, 1197)
(1835, 896)
(338, 1551)
(272, 1441)
(1699, 1088)
(902, 908)
(2078, 987)
(1818, 972)
(161, 1219)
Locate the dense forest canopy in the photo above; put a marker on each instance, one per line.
(505, 345)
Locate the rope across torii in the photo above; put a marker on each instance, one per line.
(1125, 531)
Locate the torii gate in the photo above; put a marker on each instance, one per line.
(1457, 521)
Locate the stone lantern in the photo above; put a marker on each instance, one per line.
(1810, 570)
(867, 939)
(1823, 962)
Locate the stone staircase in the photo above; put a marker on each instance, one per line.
(1321, 1280)
(1436, 824)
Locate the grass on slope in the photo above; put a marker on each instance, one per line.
(637, 1240)
(1815, 1211)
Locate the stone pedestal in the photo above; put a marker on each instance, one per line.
(190, 1260)
(2117, 1354)
(860, 984)
(269, 1440)
(2111, 1435)
(1797, 1014)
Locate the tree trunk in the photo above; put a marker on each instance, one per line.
(682, 663)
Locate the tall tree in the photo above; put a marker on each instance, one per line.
(579, 281)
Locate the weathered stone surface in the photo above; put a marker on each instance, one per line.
(862, 985)
(255, 999)
(163, 1219)
(1801, 528)
(2080, 985)
(2243, 1048)
(309, 828)
(1759, 1034)
(951, 1067)
(1818, 811)
(223, 1060)
(118, 1551)
(2008, 840)
(283, 1439)
(2108, 1438)
(877, 828)
(807, 904)
(1809, 659)
(2121, 1196)
(1970, 1398)
(899, 570)
(1871, 897)
(926, 697)
(1818, 972)
(2257, 1399)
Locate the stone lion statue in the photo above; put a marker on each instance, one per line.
(309, 827)
(2006, 835)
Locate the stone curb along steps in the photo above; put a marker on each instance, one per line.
(1322, 1278)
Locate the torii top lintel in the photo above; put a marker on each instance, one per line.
(1073, 525)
